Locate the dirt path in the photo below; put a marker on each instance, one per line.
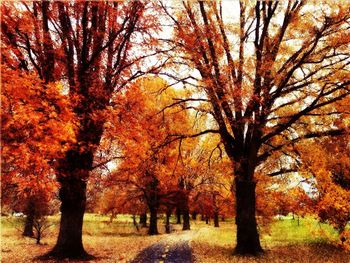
(174, 248)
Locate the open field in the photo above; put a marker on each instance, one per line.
(285, 241)
(119, 241)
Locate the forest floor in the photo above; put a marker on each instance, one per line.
(283, 241)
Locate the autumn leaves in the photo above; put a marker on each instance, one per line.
(257, 88)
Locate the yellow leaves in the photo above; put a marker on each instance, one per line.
(328, 161)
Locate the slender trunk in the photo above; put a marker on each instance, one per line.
(216, 211)
(153, 228)
(135, 223)
(178, 215)
(48, 65)
(222, 219)
(207, 220)
(186, 214)
(202, 217)
(29, 221)
(153, 204)
(167, 221)
(216, 219)
(143, 220)
(247, 233)
(113, 215)
(38, 237)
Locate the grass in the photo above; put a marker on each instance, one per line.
(120, 242)
(109, 242)
(283, 241)
(288, 231)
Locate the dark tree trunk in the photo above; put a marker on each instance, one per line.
(186, 214)
(178, 215)
(28, 226)
(247, 234)
(29, 221)
(194, 215)
(216, 219)
(202, 217)
(73, 197)
(48, 50)
(223, 219)
(38, 236)
(167, 221)
(153, 228)
(153, 204)
(207, 220)
(186, 221)
(73, 172)
(143, 220)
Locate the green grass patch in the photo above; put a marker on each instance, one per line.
(294, 231)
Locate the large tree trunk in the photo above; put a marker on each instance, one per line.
(153, 228)
(247, 234)
(73, 197)
(29, 221)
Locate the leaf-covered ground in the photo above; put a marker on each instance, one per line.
(285, 241)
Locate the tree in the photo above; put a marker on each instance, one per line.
(37, 128)
(264, 76)
(92, 47)
(148, 171)
(328, 169)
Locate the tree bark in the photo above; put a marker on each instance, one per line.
(207, 220)
(29, 221)
(186, 221)
(73, 200)
(247, 233)
(186, 214)
(153, 204)
(153, 228)
(143, 220)
(216, 219)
